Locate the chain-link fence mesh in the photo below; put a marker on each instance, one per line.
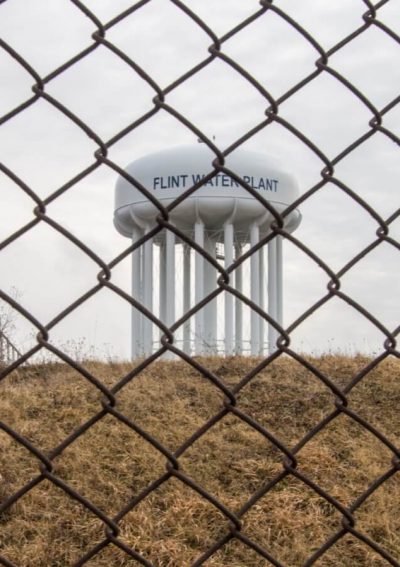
(231, 520)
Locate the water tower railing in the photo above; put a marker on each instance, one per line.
(8, 351)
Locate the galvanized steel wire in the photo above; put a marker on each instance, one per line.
(109, 396)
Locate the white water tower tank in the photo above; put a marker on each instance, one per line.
(221, 213)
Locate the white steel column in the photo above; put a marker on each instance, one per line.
(162, 290)
(255, 291)
(170, 277)
(136, 316)
(262, 299)
(279, 280)
(228, 252)
(148, 295)
(186, 296)
(238, 303)
(272, 294)
(199, 287)
(169, 281)
(210, 310)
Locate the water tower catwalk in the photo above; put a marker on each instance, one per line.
(223, 218)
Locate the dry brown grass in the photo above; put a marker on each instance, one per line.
(110, 464)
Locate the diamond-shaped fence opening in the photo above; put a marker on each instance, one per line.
(187, 456)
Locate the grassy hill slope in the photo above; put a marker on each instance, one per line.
(174, 525)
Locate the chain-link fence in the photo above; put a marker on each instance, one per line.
(105, 35)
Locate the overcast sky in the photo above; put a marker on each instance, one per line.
(46, 150)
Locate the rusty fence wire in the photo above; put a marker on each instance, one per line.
(109, 396)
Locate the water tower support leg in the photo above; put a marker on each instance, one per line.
(228, 251)
(210, 310)
(162, 294)
(279, 280)
(148, 295)
(262, 299)
(272, 294)
(255, 291)
(137, 341)
(186, 296)
(169, 280)
(238, 304)
(199, 287)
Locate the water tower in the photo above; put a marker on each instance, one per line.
(224, 219)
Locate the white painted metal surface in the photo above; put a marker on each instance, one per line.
(272, 294)
(137, 295)
(147, 296)
(187, 280)
(255, 290)
(199, 287)
(229, 314)
(239, 303)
